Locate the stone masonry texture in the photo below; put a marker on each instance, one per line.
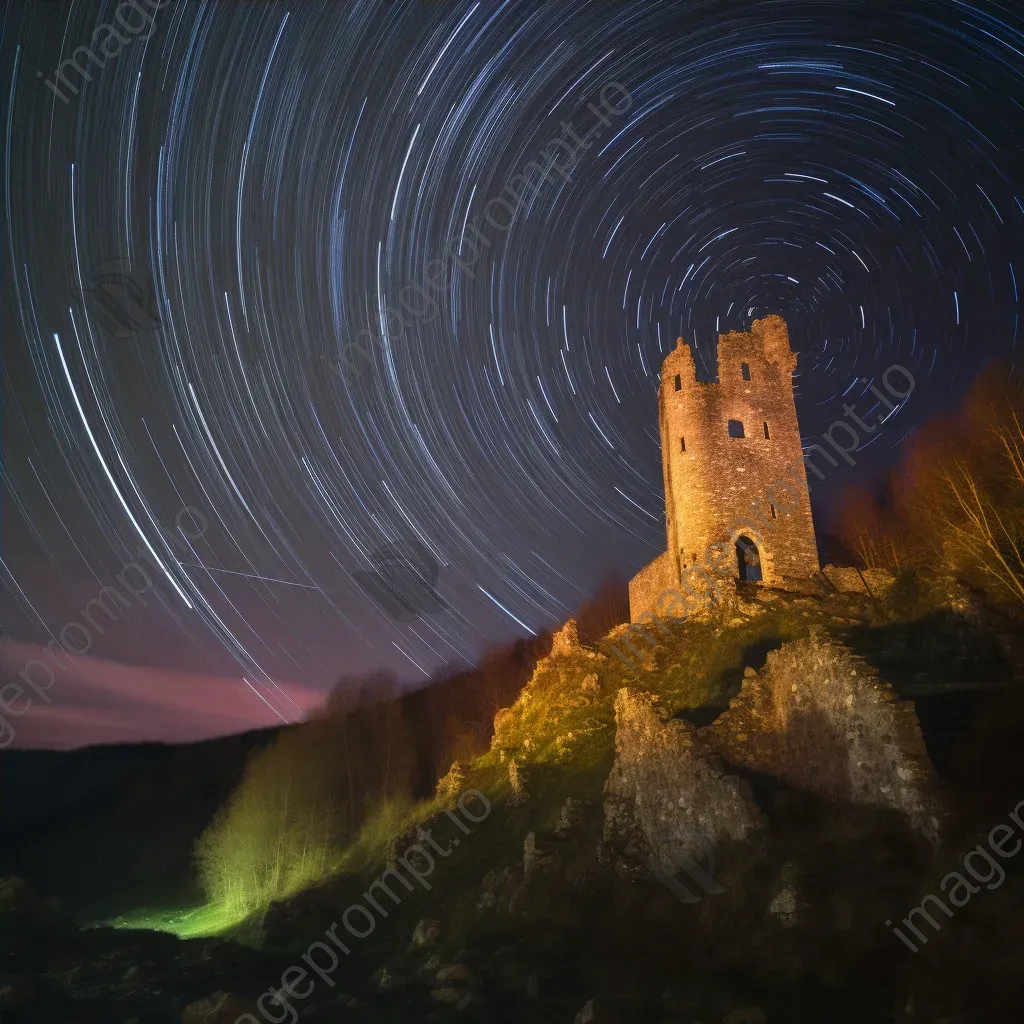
(664, 797)
(819, 718)
(719, 487)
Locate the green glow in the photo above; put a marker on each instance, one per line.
(192, 923)
(241, 894)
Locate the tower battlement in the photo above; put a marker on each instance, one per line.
(736, 498)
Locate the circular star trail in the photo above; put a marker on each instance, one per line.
(282, 174)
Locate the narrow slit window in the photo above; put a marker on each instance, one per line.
(682, 444)
(679, 382)
(736, 428)
(745, 370)
(766, 434)
(771, 508)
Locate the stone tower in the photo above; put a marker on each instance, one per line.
(736, 499)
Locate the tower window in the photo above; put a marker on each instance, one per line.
(745, 370)
(679, 382)
(736, 428)
(771, 508)
(682, 444)
(766, 434)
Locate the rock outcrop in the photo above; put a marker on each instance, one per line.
(452, 783)
(426, 932)
(820, 719)
(566, 640)
(517, 784)
(663, 798)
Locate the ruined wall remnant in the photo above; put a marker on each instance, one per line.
(648, 585)
(663, 798)
(819, 718)
(733, 468)
(566, 640)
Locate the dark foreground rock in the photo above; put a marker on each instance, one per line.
(791, 928)
(650, 856)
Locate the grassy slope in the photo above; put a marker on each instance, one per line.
(560, 730)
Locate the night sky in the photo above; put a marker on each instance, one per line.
(259, 182)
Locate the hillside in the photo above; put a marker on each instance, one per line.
(111, 828)
(105, 828)
(632, 842)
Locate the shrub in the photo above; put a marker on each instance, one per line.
(280, 831)
(302, 802)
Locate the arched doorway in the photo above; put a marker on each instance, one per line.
(748, 559)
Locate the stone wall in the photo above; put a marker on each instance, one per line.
(820, 719)
(647, 586)
(723, 486)
(663, 798)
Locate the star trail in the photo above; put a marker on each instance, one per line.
(275, 174)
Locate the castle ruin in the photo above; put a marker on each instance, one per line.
(736, 498)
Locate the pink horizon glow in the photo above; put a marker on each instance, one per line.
(97, 701)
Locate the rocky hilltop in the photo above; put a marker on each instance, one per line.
(735, 827)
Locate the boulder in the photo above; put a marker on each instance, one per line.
(388, 982)
(566, 640)
(218, 1008)
(586, 1015)
(426, 932)
(452, 974)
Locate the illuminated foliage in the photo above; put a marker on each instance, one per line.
(956, 504)
(306, 800)
(281, 831)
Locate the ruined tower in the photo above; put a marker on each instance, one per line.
(736, 499)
